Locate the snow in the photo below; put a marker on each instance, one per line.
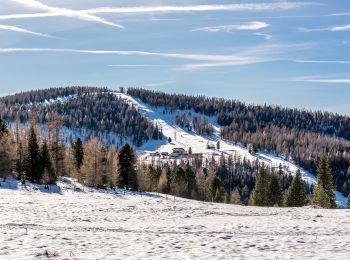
(184, 139)
(91, 224)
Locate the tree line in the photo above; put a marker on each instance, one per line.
(29, 156)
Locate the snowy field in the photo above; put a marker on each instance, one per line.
(69, 224)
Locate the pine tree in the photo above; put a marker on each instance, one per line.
(190, 178)
(260, 194)
(348, 204)
(296, 194)
(324, 176)
(320, 197)
(179, 183)
(3, 127)
(275, 191)
(78, 152)
(32, 160)
(216, 189)
(46, 165)
(127, 174)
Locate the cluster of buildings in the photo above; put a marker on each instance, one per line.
(176, 153)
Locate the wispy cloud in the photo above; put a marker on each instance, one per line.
(204, 60)
(55, 11)
(238, 62)
(136, 65)
(324, 61)
(251, 26)
(266, 36)
(22, 30)
(185, 56)
(325, 80)
(90, 14)
(203, 8)
(331, 28)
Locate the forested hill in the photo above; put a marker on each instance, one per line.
(300, 135)
(94, 111)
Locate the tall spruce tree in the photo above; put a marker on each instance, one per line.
(46, 165)
(78, 152)
(190, 181)
(325, 177)
(296, 194)
(260, 193)
(32, 160)
(320, 197)
(275, 191)
(127, 173)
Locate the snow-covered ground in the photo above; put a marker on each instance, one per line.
(184, 139)
(90, 224)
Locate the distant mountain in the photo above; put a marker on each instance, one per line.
(298, 135)
(157, 121)
(92, 111)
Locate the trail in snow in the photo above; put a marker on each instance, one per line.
(184, 139)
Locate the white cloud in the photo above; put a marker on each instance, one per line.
(326, 81)
(239, 62)
(331, 29)
(205, 60)
(136, 65)
(184, 56)
(266, 36)
(341, 28)
(21, 30)
(90, 14)
(55, 11)
(251, 26)
(203, 8)
(323, 61)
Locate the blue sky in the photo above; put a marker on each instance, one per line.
(291, 53)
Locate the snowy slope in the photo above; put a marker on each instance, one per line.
(182, 138)
(91, 224)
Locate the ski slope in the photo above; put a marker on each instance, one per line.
(184, 139)
(70, 223)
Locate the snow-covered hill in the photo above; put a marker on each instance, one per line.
(88, 224)
(184, 139)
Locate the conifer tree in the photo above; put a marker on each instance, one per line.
(296, 194)
(179, 183)
(260, 193)
(348, 204)
(46, 165)
(32, 160)
(127, 174)
(275, 191)
(320, 197)
(78, 152)
(324, 176)
(190, 178)
(216, 189)
(3, 127)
